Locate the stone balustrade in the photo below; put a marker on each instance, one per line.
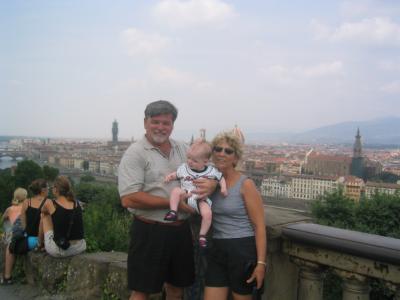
(354, 256)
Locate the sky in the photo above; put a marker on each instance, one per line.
(70, 68)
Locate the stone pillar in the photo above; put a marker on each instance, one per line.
(310, 280)
(395, 288)
(355, 286)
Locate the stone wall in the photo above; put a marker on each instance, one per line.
(103, 275)
(85, 276)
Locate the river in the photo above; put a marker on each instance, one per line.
(7, 162)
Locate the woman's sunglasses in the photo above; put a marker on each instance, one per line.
(228, 151)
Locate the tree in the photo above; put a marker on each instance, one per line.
(334, 209)
(7, 187)
(26, 172)
(385, 177)
(87, 178)
(50, 173)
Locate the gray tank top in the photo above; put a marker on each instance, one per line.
(230, 218)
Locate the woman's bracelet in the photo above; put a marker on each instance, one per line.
(260, 262)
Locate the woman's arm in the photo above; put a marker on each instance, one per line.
(255, 210)
(48, 207)
(204, 187)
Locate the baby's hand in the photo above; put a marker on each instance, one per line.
(224, 193)
(169, 178)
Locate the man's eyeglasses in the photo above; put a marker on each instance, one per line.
(228, 151)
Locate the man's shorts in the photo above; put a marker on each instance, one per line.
(230, 263)
(160, 253)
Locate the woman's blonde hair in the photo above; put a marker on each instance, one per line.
(232, 140)
(20, 195)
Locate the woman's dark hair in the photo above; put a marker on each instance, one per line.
(64, 188)
(37, 185)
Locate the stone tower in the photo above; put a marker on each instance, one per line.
(357, 161)
(115, 132)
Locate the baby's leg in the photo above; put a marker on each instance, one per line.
(206, 217)
(175, 197)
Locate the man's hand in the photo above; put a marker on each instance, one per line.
(183, 206)
(204, 187)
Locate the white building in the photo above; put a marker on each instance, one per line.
(382, 188)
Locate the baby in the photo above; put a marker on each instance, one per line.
(196, 166)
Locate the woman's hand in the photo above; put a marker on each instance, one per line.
(204, 187)
(258, 275)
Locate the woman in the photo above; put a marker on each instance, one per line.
(237, 258)
(30, 219)
(62, 222)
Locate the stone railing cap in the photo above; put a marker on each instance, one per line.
(361, 244)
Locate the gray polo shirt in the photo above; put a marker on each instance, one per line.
(143, 168)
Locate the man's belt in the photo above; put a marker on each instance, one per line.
(148, 221)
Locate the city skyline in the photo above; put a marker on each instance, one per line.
(71, 68)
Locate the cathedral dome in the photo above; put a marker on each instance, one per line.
(238, 133)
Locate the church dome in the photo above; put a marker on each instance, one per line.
(238, 133)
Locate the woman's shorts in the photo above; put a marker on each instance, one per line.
(230, 263)
(52, 248)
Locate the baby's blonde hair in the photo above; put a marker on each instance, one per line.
(20, 195)
(203, 147)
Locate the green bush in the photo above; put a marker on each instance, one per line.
(106, 223)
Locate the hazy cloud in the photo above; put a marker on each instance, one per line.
(287, 74)
(368, 8)
(138, 42)
(13, 82)
(392, 87)
(380, 31)
(389, 65)
(179, 13)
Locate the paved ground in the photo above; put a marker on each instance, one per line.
(297, 204)
(25, 292)
(17, 292)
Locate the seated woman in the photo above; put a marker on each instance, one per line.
(237, 258)
(8, 219)
(62, 222)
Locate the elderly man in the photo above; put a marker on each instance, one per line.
(160, 253)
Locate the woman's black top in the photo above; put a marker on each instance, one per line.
(61, 219)
(32, 220)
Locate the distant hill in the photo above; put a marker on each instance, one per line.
(382, 131)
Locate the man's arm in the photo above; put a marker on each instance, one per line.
(143, 200)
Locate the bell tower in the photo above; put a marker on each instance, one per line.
(357, 161)
(115, 132)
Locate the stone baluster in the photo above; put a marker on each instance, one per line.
(355, 286)
(395, 288)
(310, 280)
